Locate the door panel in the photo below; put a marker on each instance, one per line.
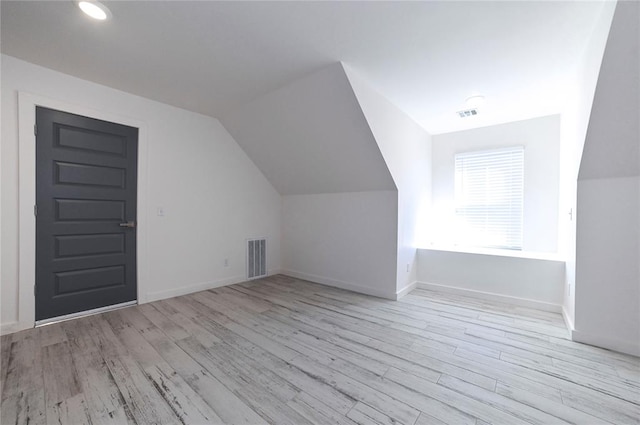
(85, 140)
(89, 175)
(88, 280)
(89, 210)
(86, 185)
(83, 245)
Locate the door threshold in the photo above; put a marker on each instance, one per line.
(79, 314)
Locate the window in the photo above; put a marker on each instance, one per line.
(489, 197)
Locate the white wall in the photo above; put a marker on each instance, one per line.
(346, 240)
(573, 129)
(608, 264)
(406, 148)
(2, 328)
(213, 195)
(312, 141)
(607, 291)
(541, 139)
(310, 137)
(531, 282)
(612, 143)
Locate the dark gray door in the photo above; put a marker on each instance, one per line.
(86, 195)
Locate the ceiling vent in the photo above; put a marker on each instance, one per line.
(467, 113)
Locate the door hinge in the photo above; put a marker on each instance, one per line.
(35, 130)
(34, 290)
(35, 210)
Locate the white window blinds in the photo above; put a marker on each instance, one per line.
(489, 197)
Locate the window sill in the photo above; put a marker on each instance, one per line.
(550, 256)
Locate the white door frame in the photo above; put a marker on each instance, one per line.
(27, 103)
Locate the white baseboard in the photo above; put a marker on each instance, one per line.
(606, 342)
(567, 321)
(404, 291)
(184, 290)
(12, 327)
(8, 328)
(354, 287)
(274, 272)
(490, 296)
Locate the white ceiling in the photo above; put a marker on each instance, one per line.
(211, 57)
(293, 134)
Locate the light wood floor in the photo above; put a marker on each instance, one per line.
(284, 351)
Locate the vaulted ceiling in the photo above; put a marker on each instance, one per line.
(311, 137)
(213, 57)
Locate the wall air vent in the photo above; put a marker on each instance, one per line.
(256, 258)
(467, 113)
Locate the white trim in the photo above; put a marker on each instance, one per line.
(9, 328)
(203, 286)
(490, 296)
(354, 287)
(27, 103)
(533, 255)
(404, 291)
(274, 272)
(5, 328)
(606, 342)
(85, 313)
(567, 321)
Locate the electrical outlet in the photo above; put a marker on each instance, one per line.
(407, 267)
(226, 262)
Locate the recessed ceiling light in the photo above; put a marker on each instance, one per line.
(94, 9)
(475, 101)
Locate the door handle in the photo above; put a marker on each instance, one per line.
(128, 224)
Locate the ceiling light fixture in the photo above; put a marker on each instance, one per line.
(475, 101)
(94, 9)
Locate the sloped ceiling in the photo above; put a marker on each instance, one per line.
(612, 145)
(311, 137)
(426, 57)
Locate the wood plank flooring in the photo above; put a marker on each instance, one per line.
(284, 351)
